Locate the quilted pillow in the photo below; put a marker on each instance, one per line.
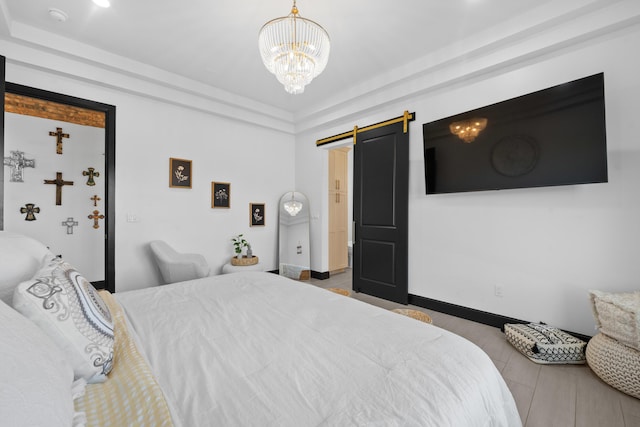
(68, 308)
(618, 316)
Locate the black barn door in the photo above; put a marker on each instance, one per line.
(380, 212)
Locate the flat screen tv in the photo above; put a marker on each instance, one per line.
(555, 136)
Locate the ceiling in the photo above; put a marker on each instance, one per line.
(215, 41)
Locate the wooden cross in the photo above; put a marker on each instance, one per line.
(91, 173)
(18, 163)
(95, 217)
(95, 199)
(59, 135)
(70, 223)
(30, 209)
(59, 182)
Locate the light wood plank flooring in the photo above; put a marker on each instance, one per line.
(557, 395)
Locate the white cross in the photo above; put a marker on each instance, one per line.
(18, 163)
(70, 223)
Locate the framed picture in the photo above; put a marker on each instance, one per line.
(220, 195)
(180, 173)
(256, 214)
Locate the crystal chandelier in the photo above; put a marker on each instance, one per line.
(468, 130)
(292, 206)
(295, 49)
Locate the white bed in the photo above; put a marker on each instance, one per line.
(257, 349)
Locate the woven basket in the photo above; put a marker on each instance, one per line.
(244, 261)
(615, 363)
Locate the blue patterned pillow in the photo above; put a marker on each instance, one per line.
(68, 308)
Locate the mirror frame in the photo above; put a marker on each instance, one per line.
(110, 161)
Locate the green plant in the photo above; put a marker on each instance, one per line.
(238, 243)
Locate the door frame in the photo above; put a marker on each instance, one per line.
(110, 160)
(348, 149)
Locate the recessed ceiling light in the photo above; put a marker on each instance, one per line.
(102, 3)
(57, 14)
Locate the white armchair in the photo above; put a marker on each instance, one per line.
(178, 267)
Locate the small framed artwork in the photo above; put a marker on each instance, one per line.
(180, 173)
(256, 213)
(220, 195)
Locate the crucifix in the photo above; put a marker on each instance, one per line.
(30, 209)
(91, 173)
(95, 217)
(95, 199)
(18, 163)
(69, 223)
(59, 182)
(59, 135)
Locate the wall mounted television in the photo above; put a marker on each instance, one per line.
(556, 136)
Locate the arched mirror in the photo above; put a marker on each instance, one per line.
(294, 257)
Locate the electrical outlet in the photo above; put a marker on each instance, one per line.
(498, 291)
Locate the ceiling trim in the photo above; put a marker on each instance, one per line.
(571, 23)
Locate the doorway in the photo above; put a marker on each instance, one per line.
(340, 208)
(104, 235)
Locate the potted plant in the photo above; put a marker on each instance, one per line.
(238, 243)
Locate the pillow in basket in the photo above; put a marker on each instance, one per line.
(618, 315)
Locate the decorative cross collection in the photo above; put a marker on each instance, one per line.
(91, 173)
(18, 163)
(59, 135)
(69, 223)
(59, 182)
(95, 217)
(30, 209)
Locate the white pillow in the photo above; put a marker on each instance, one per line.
(35, 376)
(69, 310)
(20, 258)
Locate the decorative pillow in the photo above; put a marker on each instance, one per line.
(20, 258)
(618, 316)
(68, 308)
(35, 376)
(545, 344)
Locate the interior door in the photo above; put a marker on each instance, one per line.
(380, 212)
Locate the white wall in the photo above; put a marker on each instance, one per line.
(545, 246)
(84, 249)
(255, 160)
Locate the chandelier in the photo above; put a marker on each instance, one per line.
(292, 206)
(295, 49)
(468, 130)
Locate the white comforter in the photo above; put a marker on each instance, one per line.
(257, 349)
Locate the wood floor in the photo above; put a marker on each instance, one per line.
(557, 395)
